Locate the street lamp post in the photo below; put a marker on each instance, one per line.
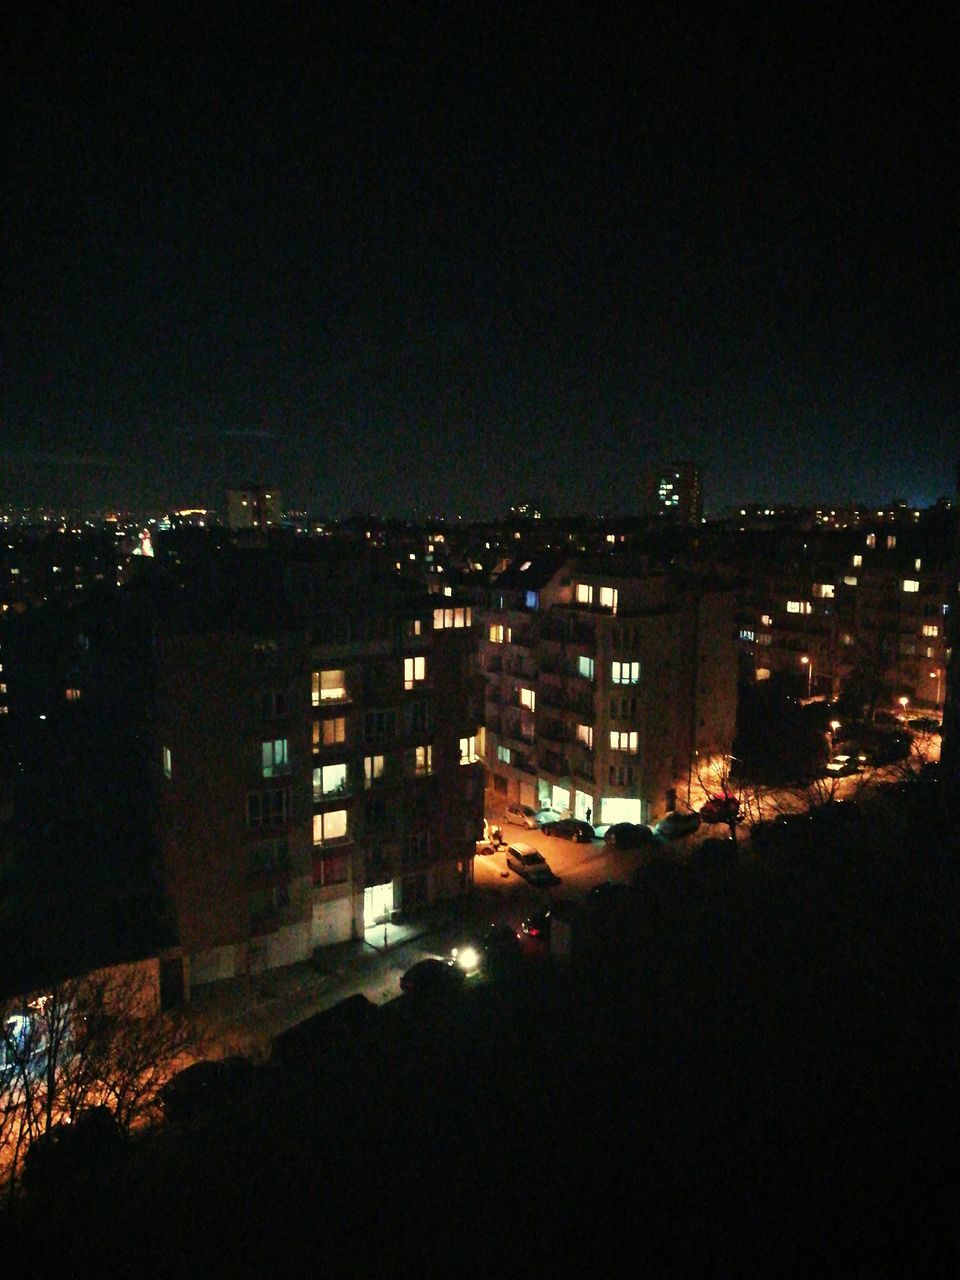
(903, 700)
(805, 660)
(935, 675)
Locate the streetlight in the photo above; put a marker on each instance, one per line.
(805, 661)
(903, 700)
(834, 726)
(935, 675)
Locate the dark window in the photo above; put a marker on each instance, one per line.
(266, 808)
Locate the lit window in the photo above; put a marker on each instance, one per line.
(624, 740)
(585, 735)
(871, 540)
(584, 593)
(533, 600)
(329, 732)
(849, 579)
(585, 666)
(167, 762)
(930, 629)
(468, 750)
(414, 671)
(891, 541)
(766, 620)
(744, 635)
(274, 758)
(528, 698)
(916, 564)
(329, 780)
(329, 826)
(857, 560)
(525, 566)
(799, 606)
(372, 770)
(72, 694)
(625, 672)
(414, 628)
(825, 590)
(328, 686)
(911, 584)
(608, 598)
(423, 761)
(496, 634)
(503, 755)
(444, 618)
(763, 673)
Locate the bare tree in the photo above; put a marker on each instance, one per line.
(96, 1040)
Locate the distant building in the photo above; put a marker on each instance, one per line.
(254, 507)
(673, 493)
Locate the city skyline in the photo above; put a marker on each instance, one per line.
(391, 261)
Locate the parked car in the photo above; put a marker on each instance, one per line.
(355, 1018)
(536, 925)
(547, 815)
(677, 824)
(844, 764)
(570, 829)
(205, 1086)
(925, 724)
(432, 978)
(530, 864)
(489, 949)
(521, 815)
(721, 809)
(627, 835)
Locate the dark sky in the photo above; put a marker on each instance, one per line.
(454, 255)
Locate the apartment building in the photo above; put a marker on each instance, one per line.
(606, 681)
(871, 601)
(318, 762)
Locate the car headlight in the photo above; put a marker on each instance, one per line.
(466, 957)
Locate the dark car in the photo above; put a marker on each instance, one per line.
(536, 925)
(531, 865)
(492, 948)
(432, 978)
(627, 835)
(205, 1086)
(677, 824)
(571, 829)
(356, 1019)
(925, 724)
(721, 809)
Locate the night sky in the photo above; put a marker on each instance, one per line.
(449, 256)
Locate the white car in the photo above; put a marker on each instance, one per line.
(530, 864)
(520, 815)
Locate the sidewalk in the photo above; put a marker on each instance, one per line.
(242, 1015)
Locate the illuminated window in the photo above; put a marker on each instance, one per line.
(608, 598)
(274, 759)
(413, 629)
(468, 750)
(497, 633)
(624, 740)
(746, 635)
(372, 770)
(766, 620)
(916, 564)
(799, 606)
(825, 590)
(329, 826)
(528, 698)
(72, 694)
(445, 618)
(414, 671)
(423, 760)
(503, 755)
(585, 735)
(533, 600)
(167, 762)
(584, 593)
(763, 673)
(849, 579)
(585, 666)
(625, 672)
(857, 560)
(871, 540)
(911, 584)
(329, 732)
(891, 541)
(328, 686)
(329, 780)
(266, 808)
(930, 629)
